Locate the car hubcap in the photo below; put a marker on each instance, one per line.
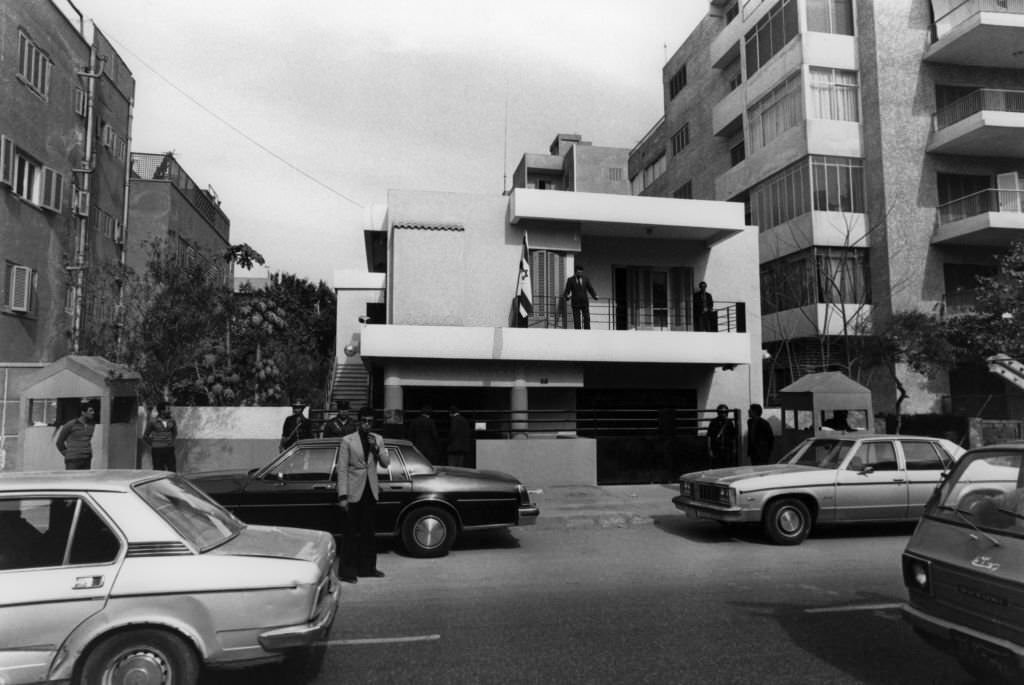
(138, 668)
(430, 532)
(790, 522)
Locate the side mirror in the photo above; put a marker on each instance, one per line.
(868, 470)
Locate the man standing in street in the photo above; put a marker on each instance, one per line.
(423, 433)
(74, 440)
(760, 438)
(721, 438)
(358, 492)
(296, 426)
(577, 289)
(341, 424)
(460, 438)
(160, 434)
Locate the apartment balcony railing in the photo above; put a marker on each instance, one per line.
(988, 200)
(612, 314)
(981, 100)
(967, 9)
(156, 167)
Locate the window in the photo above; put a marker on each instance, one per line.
(547, 276)
(830, 16)
(685, 191)
(820, 275)
(33, 66)
(834, 94)
(781, 197)
(737, 153)
(770, 35)
(21, 284)
(923, 456)
(649, 175)
(677, 82)
(837, 184)
(42, 412)
(305, 464)
(615, 173)
(680, 139)
(879, 455)
(775, 113)
(80, 102)
(30, 180)
(961, 281)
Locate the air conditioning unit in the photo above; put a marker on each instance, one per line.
(82, 202)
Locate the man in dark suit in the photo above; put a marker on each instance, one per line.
(460, 438)
(703, 309)
(760, 437)
(423, 433)
(296, 426)
(577, 287)
(358, 492)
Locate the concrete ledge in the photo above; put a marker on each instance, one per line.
(541, 463)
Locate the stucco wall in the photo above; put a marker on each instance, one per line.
(541, 462)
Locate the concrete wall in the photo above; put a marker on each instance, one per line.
(541, 462)
(215, 438)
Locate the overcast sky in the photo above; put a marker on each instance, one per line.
(375, 95)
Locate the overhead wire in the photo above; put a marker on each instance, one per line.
(234, 128)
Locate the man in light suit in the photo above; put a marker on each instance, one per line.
(577, 288)
(358, 492)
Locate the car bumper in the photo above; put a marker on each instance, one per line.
(305, 634)
(528, 514)
(958, 638)
(709, 513)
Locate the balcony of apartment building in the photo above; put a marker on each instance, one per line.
(982, 33)
(986, 122)
(643, 255)
(991, 217)
(164, 167)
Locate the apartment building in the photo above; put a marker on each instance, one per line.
(64, 132)
(876, 145)
(439, 323)
(170, 209)
(575, 164)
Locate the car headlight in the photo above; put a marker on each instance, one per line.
(686, 488)
(917, 573)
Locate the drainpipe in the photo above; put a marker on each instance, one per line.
(123, 247)
(78, 266)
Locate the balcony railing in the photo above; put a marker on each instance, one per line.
(983, 99)
(605, 314)
(151, 167)
(988, 200)
(967, 9)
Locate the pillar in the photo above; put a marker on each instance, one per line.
(519, 406)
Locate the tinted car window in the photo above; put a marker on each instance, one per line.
(395, 471)
(306, 463)
(923, 456)
(34, 533)
(93, 542)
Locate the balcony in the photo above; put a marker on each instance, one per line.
(982, 33)
(621, 315)
(985, 123)
(989, 218)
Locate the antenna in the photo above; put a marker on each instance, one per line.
(504, 161)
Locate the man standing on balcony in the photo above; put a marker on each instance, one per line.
(576, 290)
(703, 309)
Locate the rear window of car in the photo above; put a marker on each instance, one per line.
(196, 517)
(41, 532)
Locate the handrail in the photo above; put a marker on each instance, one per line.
(980, 202)
(623, 314)
(982, 99)
(967, 9)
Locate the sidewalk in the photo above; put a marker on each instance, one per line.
(604, 506)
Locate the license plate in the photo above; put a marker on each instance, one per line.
(991, 657)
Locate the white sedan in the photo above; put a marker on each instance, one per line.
(120, 577)
(845, 478)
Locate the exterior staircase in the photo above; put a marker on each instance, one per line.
(350, 382)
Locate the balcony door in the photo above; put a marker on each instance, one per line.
(653, 298)
(1009, 191)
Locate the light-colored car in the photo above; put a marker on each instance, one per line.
(841, 478)
(116, 577)
(964, 565)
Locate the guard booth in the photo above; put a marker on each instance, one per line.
(823, 402)
(50, 398)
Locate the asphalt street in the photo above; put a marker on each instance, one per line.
(675, 601)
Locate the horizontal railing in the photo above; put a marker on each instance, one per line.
(981, 100)
(605, 314)
(988, 200)
(967, 9)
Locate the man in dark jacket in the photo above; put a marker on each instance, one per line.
(704, 309)
(423, 433)
(460, 438)
(760, 438)
(74, 440)
(160, 434)
(342, 423)
(577, 289)
(296, 426)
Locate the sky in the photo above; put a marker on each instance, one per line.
(303, 114)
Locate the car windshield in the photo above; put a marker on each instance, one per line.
(986, 490)
(822, 453)
(196, 517)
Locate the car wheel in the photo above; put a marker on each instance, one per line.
(141, 657)
(787, 521)
(428, 532)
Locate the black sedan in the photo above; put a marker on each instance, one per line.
(426, 505)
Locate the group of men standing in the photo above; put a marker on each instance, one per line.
(74, 438)
(422, 432)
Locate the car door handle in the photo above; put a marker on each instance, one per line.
(899, 480)
(87, 582)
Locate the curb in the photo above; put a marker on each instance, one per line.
(592, 521)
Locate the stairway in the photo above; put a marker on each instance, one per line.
(351, 382)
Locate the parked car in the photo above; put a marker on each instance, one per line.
(136, 576)
(846, 478)
(426, 506)
(964, 565)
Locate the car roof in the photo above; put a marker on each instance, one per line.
(114, 480)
